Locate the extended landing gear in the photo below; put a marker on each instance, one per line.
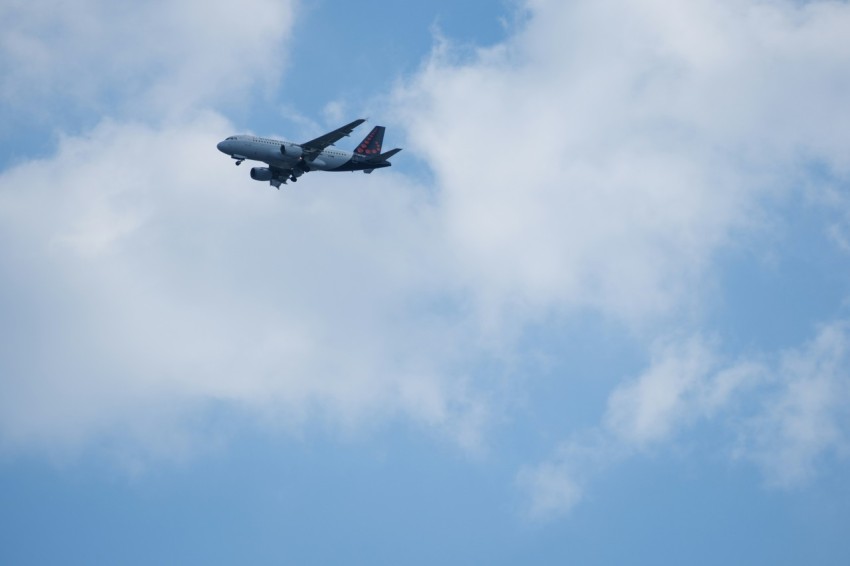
(239, 161)
(293, 178)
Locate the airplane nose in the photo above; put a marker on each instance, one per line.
(220, 147)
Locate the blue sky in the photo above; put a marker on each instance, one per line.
(595, 313)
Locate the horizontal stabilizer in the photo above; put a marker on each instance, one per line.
(387, 155)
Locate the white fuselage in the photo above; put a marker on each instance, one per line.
(269, 151)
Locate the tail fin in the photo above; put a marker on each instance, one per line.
(371, 144)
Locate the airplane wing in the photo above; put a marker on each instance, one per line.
(321, 142)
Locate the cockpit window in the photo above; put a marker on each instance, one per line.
(232, 138)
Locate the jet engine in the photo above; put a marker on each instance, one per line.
(291, 150)
(261, 174)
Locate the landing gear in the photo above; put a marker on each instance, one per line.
(293, 178)
(239, 161)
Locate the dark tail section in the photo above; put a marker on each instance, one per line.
(371, 144)
(379, 161)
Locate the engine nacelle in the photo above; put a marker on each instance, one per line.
(291, 150)
(261, 174)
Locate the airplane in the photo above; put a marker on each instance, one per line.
(287, 160)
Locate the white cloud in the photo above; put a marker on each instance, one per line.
(834, 198)
(683, 385)
(556, 486)
(679, 387)
(788, 413)
(154, 58)
(805, 416)
(336, 112)
(595, 161)
(144, 286)
(601, 156)
(552, 490)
